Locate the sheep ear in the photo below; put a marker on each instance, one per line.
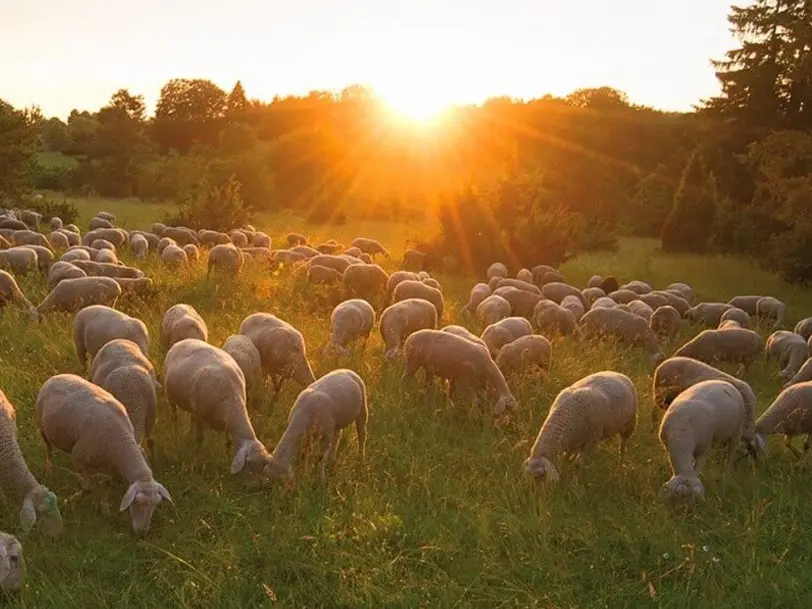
(128, 498)
(28, 515)
(239, 460)
(552, 473)
(164, 493)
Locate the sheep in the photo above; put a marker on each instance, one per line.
(592, 294)
(227, 258)
(18, 260)
(413, 260)
(803, 375)
(84, 420)
(106, 256)
(172, 255)
(116, 236)
(238, 238)
(349, 321)
(72, 228)
(281, 348)
(625, 326)
(597, 407)
(369, 246)
(465, 333)
(106, 215)
(329, 247)
(59, 240)
(132, 384)
(74, 255)
(32, 218)
(12, 224)
(772, 308)
(684, 290)
(158, 228)
(497, 269)
(242, 349)
(400, 320)
(540, 270)
(260, 239)
(286, 257)
(96, 223)
(19, 484)
(746, 303)
(337, 263)
(624, 296)
(151, 238)
(641, 309)
(106, 269)
(322, 274)
(603, 302)
(73, 238)
(327, 405)
(804, 328)
(192, 252)
(736, 314)
(674, 299)
(353, 252)
(63, 270)
(365, 281)
(517, 283)
(557, 291)
(640, 287)
(654, 300)
(164, 243)
(11, 293)
(731, 344)
(45, 256)
(498, 334)
(181, 235)
(432, 283)
(465, 364)
(140, 246)
(119, 353)
(295, 239)
(707, 313)
(525, 275)
(522, 302)
(74, 294)
(789, 349)
(707, 414)
(306, 251)
(574, 305)
(395, 278)
(478, 293)
(182, 321)
(417, 289)
(134, 285)
(103, 244)
(664, 321)
(790, 414)
(527, 351)
(28, 237)
(594, 282)
(550, 277)
(12, 565)
(609, 284)
(492, 309)
(549, 317)
(96, 325)
(256, 254)
(728, 323)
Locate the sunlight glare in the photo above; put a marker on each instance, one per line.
(413, 104)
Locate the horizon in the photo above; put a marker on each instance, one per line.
(83, 54)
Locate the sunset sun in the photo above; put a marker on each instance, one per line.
(419, 105)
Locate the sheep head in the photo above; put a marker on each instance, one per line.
(142, 498)
(683, 488)
(540, 467)
(12, 565)
(41, 504)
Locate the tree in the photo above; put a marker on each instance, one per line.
(236, 104)
(689, 226)
(189, 111)
(54, 134)
(237, 138)
(133, 105)
(17, 141)
(651, 203)
(601, 98)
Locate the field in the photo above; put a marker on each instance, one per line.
(440, 513)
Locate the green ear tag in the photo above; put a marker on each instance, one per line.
(51, 501)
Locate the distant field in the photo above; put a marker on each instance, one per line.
(440, 513)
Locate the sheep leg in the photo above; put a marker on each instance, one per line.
(700, 460)
(794, 450)
(732, 445)
(327, 447)
(361, 433)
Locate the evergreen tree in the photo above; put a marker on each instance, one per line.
(689, 225)
(17, 141)
(651, 202)
(236, 103)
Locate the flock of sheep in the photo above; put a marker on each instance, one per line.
(105, 422)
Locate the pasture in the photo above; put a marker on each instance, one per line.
(440, 513)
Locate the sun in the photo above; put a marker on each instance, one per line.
(412, 104)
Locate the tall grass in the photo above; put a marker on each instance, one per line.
(439, 514)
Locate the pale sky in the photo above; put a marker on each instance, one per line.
(62, 55)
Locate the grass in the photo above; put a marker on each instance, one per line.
(440, 513)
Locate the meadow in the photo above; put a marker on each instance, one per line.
(440, 513)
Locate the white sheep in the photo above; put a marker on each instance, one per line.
(492, 309)
(173, 255)
(11, 293)
(134, 285)
(210, 238)
(328, 405)
(624, 326)
(238, 238)
(522, 302)
(707, 313)
(73, 255)
(624, 296)
(789, 349)
(227, 258)
(790, 414)
(321, 274)
(549, 277)
(540, 270)
(87, 422)
(350, 320)
(400, 320)
(738, 315)
(465, 364)
(731, 345)
(707, 414)
(19, 484)
(19, 260)
(574, 305)
(592, 294)
(97, 223)
(103, 244)
(498, 334)
(340, 264)
(96, 325)
(28, 237)
(105, 269)
(59, 240)
(497, 269)
(63, 270)
(683, 289)
(413, 260)
(746, 303)
(409, 289)
(604, 302)
(530, 351)
(804, 328)
(549, 317)
(369, 246)
(639, 287)
(182, 321)
(12, 565)
(516, 283)
(479, 292)
(308, 252)
(665, 321)
(140, 246)
(674, 299)
(465, 333)
(192, 252)
(295, 239)
(641, 309)
(772, 308)
(74, 294)
(164, 243)
(367, 281)
(598, 407)
(247, 356)
(260, 239)
(525, 275)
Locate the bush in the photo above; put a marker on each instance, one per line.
(788, 253)
(56, 177)
(214, 207)
(67, 212)
(689, 226)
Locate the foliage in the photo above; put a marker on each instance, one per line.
(650, 204)
(689, 226)
(17, 140)
(215, 207)
(188, 112)
(788, 252)
(49, 208)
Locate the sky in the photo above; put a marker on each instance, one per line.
(65, 55)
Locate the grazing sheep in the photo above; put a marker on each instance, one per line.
(238, 238)
(134, 285)
(140, 246)
(551, 318)
(746, 303)
(624, 296)
(227, 258)
(707, 313)
(417, 289)
(181, 235)
(710, 413)
(595, 282)
(609, 284)
(353, 252)
(18, 260)
(369, 246)
(242, 349)
(395, 278)
(192, 252)
(550, 277)
(683, 289)
(12, 565)
(72, 228)
(173, 255)
(738, 315)
(287, 257)
(592, 294)
(465, 364)
(74, 255)
(256, 254)
(182, 321)
(413, 260)
(492, 309)
(604, 302)
(116, 236)
(164, 243)
(12, 224)
(731, 345)
(641, 309)
(327, 405)
(531, 351)
(803, 375)
(674, 299)
(478, 293)
(306, 251)
(96, 223)
(151, 238)
(28, 237)
(655, 299)
(45, 256)
(106, 269)
(432, 283)
(351, 320)
(624, 326)
(295, 239)
(558, 291)
(74, 294)
(665, 321)
(525, 275)
(804, 328)
(465, 333)
(158, 228)
(18, 483)
(728, 323)
(502, 332)
(260, 239)
(73, 238)
(87, 422)
(106, 257)
(10, 292)
(96, 325)
(790, 414)
(789, 349)
(540, 270)
(103, 244)
(574, 305)
(639, 287)
(106, 215)
(772, 308)
(281, 348)
(497, 269)
(400, 320)
(338, 263)
(522, 302)
(517, 283)
(59, 240)
(598, 407)
(63, 270)
(321, 274)
(366, 281)
(119, 353)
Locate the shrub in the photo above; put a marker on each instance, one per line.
(214, 207)
(55, 177)
(68, 212)
(788, 253)
(689, 225)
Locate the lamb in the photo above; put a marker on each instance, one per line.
(365, 281)
(172, 255)
(707, 313)
(525, 352)
(522, 302)
(525, 275)
(772, 308)
(624, 326)
(517, 283)
(598, 407)
(260, 239)
(238, 238)
(400, 320)
(574, 305)
(492, 309)
(497, 269)
(479, 293)
(327, 405)
(639, 287)
(731, 344)
(59, 240)
(96, 325)
(192, 253)
(19, 484)
(10, 292)
(84, 420)
(227, 258)
(417, 289)
(369, 246)
(706, 414)
(738, 315)
(683, 289)
(74, 294)
(281, 348)
(592, 294)
(641, 309)
(790, 414)
(349, 321)
(465, 364)
(12, 565)
(665, 321)
(789, 349)
(140, 246)
(548, 317)
(322, 274)
(413, 260)
(18, 260)
(182, 321)
(242, 349)
(499, 334)
(465, 333)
